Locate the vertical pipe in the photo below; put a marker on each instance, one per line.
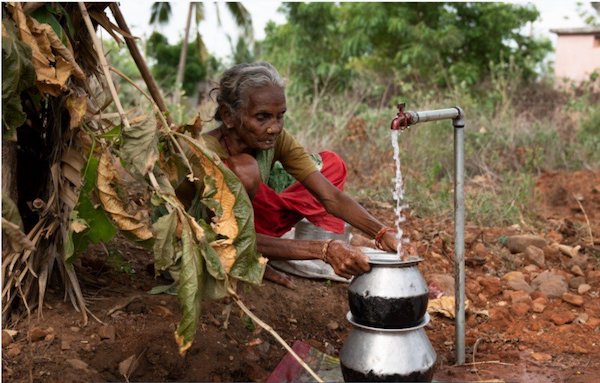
(459, 236)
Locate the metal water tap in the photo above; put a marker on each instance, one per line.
(402, 119)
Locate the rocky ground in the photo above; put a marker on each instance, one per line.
(533, 308)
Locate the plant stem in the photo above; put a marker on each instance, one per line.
(262, 324)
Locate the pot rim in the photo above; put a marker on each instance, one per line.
(423, 323)
(379, 257)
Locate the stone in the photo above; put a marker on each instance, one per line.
(582, 318)
(550, 284)
(538, 307)
(580, 260)
(65, 345)
(512, 275)
(518, 243)
(520, 285)
(480, 250)
(535, 255)
(541, 357)
(531, 268)
(574, 299)
(560, 318)
(37, 334)
(551, 253)
(575, 282)
(333, 325)
(576, 270)
(519, 297)
(593, 277)
(583, 288)
(520, 309)
(13, 350)
(77, 364)
(107, 332)
(490, 285)
(592, 322)
(6, 338)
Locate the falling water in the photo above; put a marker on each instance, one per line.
(398, 192)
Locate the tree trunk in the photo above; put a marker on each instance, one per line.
(183, 56)
(9, 170)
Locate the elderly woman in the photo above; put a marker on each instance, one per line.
(250, 139)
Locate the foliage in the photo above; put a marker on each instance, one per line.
(96, 166)
(165, 58)
(324, 44)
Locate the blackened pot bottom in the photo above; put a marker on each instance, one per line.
(388, 312)
(351, 375)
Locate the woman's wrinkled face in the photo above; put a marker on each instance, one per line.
(260, 119)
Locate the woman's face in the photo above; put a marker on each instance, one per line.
(260, 120)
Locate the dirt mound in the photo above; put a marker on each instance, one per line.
(534, 308)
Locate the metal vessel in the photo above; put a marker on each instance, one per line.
(393, 294)
(373, 354)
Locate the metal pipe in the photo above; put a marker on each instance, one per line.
(402, 121)
(459, 235)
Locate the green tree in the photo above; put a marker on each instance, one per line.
(161, 13)
(425, 43)
(166, 57)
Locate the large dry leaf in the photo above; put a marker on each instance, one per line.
(113, 205)
(52, 71)
(77, 107)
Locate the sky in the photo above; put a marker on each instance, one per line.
(554, 14)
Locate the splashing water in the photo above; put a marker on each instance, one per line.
(398, 192)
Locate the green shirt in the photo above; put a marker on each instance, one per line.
(293, 157)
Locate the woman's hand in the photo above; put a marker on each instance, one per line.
(346, 260)
(389, 242)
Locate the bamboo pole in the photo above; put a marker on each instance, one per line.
(141, 63)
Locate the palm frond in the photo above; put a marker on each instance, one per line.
(160, 13)
(242, 18)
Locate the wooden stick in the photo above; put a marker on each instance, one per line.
(105, 68)
(262, 324)
(140, 62)
(589, 227)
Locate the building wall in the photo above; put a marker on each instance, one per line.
(577, 56)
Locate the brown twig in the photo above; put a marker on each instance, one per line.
(139, 61)
(262, 324)
(587, 220)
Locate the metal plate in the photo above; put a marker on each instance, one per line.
(424, 322)
(380, 257)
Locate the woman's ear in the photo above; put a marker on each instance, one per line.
(226, 116)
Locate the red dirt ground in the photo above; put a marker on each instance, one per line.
(505, 341)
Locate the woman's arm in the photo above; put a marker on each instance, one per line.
(346, 260)
(341, 205)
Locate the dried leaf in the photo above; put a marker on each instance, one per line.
(113, 205)
(77, 107)
(52, 71)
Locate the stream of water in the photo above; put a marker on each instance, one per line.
(398, 192)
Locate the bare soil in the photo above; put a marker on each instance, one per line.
(505, 341)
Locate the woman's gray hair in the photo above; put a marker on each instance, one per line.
(237, 80)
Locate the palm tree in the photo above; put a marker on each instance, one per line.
(161, 13)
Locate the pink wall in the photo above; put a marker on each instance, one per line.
(576, 56)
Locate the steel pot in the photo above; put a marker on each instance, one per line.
(393, 294)
(387, 355)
